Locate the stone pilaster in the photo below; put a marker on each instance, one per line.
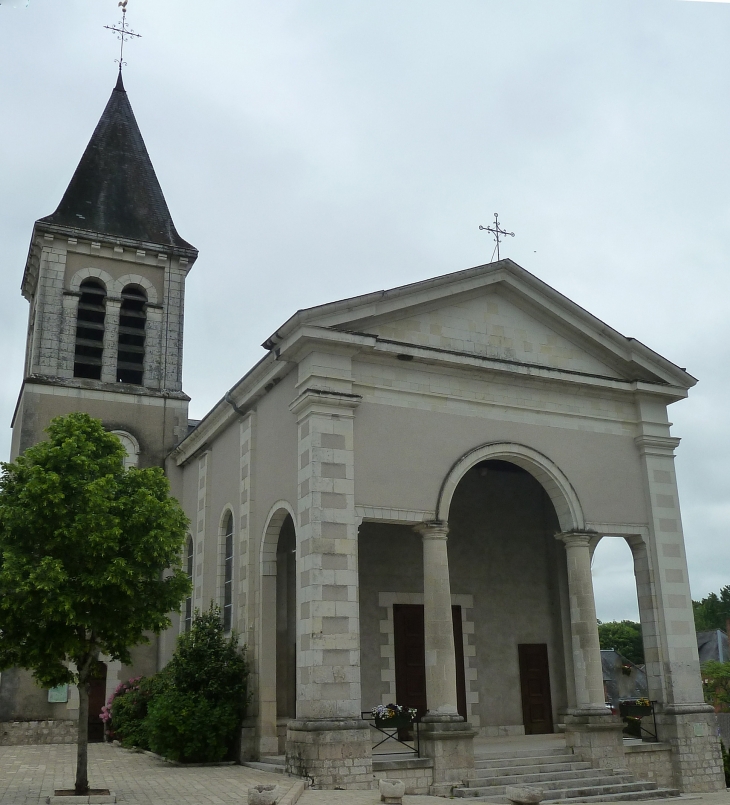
(685, 722)
(591, 730)
(328, 742)
(445, 736)
(67, 346)
(153, 347)
(111, 340)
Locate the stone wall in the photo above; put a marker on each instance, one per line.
(416, 773)
(651, 762)
(18, 733)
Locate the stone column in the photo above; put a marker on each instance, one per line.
(67, 346)
(445, 736)
(684, 720)
(591, 730)
(328, 742)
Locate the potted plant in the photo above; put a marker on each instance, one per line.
(393, 716)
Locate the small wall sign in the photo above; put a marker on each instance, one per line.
(58, 694)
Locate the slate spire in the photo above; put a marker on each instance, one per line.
(114, 190)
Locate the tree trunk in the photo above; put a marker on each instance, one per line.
(82, 745)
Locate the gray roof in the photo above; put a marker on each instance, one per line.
(114, 190)
(713, 645)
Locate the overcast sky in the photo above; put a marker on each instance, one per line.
(315, 150)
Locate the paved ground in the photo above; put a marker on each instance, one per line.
(28, 774)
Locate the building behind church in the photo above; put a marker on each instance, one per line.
(398, 503)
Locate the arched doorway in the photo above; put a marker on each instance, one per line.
(503, 552)
(276, 632)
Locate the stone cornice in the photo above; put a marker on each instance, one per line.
(656, 445)
(315, 400)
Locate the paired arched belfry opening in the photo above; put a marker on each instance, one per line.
(131, 345)
(91, 322)
(90, 318)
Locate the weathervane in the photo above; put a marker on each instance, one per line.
(123, 31)
(495, 230)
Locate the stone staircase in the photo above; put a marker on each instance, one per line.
(562, 775)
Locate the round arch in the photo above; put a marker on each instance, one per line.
(136, 279)
(91, 274)
(131, 445)
(546, 472)
(274, 521)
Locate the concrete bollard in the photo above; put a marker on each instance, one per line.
(262, 795)
(392, 791)
(524, 794)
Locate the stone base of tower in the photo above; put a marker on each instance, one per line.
(691, 731)
(331, 753)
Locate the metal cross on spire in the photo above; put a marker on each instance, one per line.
(123, 32)
(496, 231)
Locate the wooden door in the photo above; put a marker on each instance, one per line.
(537, 710)
(97, 699)
(410, 658)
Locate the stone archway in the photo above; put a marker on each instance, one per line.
(544, 470)
(280, 514)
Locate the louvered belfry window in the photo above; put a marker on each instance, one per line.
(228, 576)
(132, 320)
(90, 330)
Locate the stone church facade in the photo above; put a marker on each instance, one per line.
(399, 502)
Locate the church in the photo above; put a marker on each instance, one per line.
(397, 503)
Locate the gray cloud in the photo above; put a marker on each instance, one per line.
(318, 150)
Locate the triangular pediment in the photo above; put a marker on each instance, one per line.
(497, 311)
(491, 325)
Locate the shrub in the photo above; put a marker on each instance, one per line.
(129, 711)
(187, 727)
(106, 710)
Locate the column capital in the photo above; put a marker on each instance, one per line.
(573, 539)
(433, 529)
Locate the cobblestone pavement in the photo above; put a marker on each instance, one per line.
(28, 774)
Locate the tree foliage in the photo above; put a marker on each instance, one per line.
(623, 636)
(716, 684)
(89, 556)
(713, 611)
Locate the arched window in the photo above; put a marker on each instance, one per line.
(228, 574)
(132, 319)
(131, 447)
(90, 330)
(189, 599)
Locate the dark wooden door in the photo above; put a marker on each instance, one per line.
(537, 710)
(97, 699)
(410, 658)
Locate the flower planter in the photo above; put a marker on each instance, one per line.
(635, 710)
(394, 723)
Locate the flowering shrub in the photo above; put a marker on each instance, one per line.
(106, 710)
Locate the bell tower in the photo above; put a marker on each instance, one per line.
(105, 279)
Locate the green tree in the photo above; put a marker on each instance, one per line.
(625, 637)
(716, 684)
(713, 611)
(89, 559)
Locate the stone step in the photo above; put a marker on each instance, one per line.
(548, 779)
(266, 765)
(624, 796)
(496, 771)
(602, 787)
(526, 760)
(508, 752)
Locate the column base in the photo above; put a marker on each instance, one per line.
(691, 731)
(449, 742)
(597, 737)
(331, 753)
